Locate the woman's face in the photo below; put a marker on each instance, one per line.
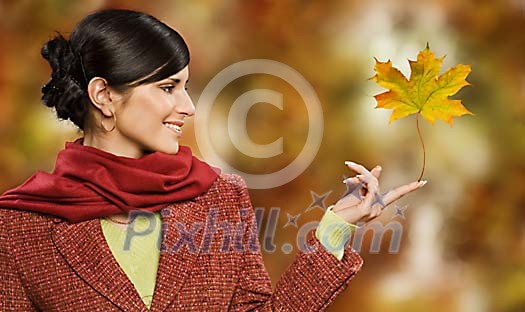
(152, 116)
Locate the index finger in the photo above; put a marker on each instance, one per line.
(358, 168)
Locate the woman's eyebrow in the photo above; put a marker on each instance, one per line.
(176, 80)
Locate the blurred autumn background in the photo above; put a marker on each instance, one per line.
(463, 234)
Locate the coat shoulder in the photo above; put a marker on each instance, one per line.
(235, 180)
(227, 184)
(227, 194)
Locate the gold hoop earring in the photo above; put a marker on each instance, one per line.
(114, 123)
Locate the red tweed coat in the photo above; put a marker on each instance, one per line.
(47, 264)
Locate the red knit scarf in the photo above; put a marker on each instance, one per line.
(90, 183)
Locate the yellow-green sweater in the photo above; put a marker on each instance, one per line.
(139, 256)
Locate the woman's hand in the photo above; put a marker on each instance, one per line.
(365, 202)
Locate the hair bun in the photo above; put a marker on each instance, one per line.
(60, 56)
(62, 91)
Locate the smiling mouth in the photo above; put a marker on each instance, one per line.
(173, 127)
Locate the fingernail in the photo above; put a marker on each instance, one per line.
(347, 180)
(349, 162)
(379, 168)
(421, 183)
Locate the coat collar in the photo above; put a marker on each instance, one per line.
(85, 249)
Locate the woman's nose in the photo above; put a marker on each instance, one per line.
(186, 106)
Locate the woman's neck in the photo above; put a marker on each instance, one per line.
(112, 144)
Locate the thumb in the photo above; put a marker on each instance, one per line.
(376, 171)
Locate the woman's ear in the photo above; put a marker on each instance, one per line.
(102, 96)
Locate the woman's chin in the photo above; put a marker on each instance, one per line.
(173, 149)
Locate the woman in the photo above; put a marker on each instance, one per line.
(131, 221)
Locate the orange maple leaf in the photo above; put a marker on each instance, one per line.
(424, 92)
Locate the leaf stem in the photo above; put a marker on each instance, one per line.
(423, 145)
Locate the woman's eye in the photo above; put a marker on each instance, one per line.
(167, 89)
